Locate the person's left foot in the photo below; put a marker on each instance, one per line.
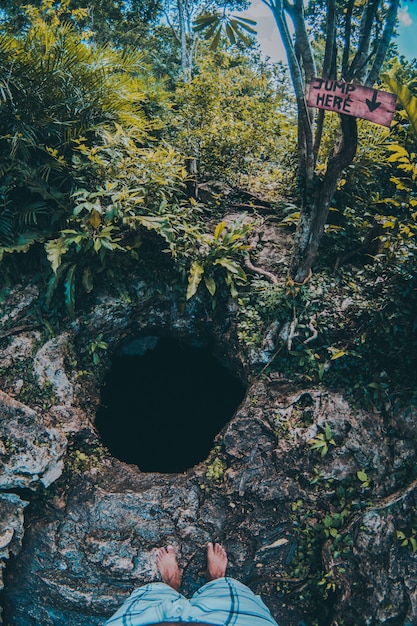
(168, 567)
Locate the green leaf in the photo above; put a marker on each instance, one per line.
(24, 242)
(240, 22)
(230, 34)
(87, 280)
(211, 30)
(55, 248)
(231, 266)
(362, 476)
(242, 37)
(54, 282)
(338, 354)
(328, 521)
(69, 290)
(327, 431)
(219, 229)
(210, 284)
(246, 20)
(203, 21)
(194, 279)
(408, 101)
(216, 39)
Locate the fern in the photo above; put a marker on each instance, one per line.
(30, 212)
(6, 225)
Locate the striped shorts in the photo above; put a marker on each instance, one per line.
(221, 602)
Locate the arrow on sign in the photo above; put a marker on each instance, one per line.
(373, 104)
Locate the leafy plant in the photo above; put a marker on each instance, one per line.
(408, 539)
(58, 92)
(95, 346)
(363, 477)
(217, 258)
(215, 470)
(406, 98)
(322, 441)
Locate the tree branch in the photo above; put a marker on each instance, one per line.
(348, 32)
(303, 41)
(328, 70)
(358, 65)
(305, 147)
(384, 43)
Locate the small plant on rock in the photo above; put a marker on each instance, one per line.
(322, 441)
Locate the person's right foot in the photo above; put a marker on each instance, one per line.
(216, 561)
(168, 567)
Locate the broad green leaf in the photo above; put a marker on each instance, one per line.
(107, 244)
(362, 476)
(194, 279)
(95, 218)
(231, 266)
(55, 248)
(24, 241)
(338, 354)
(408, 101)
(210, 284)
(87, 280)
(219, 229)
(328, 521)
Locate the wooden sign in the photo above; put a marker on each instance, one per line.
(340, 97)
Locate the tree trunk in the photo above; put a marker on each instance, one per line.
(183, 40)
(316, 195)
(315, 209)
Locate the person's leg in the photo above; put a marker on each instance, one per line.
(145, 605)
(227, 601)
(168, 567)
(154, 602)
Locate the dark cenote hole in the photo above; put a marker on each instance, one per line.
(162, 407)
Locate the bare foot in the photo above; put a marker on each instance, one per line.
(168, 567)
(216, 561)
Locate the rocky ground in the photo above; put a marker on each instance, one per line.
(80, 529)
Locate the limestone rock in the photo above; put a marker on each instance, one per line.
(31, 452)
(11, 530)
(93, 530)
